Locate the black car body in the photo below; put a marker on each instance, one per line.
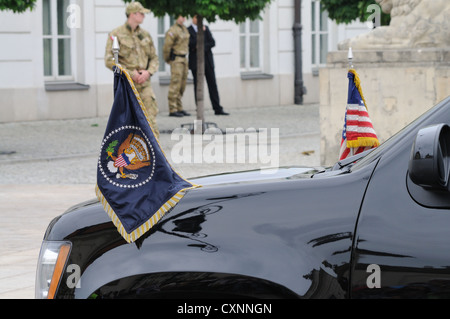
(373, 226)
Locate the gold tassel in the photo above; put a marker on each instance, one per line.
(358, 86)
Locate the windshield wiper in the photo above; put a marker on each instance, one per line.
(350, 160)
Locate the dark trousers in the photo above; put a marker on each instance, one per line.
(212, 88)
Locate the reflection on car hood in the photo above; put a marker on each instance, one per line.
(259, 175)
(240, 177)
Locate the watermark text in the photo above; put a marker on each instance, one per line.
(233, 146)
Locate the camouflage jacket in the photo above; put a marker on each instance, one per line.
(177, 39)
(137, 51)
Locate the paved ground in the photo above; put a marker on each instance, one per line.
(48, 166)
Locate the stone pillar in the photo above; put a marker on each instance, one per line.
(398, 86)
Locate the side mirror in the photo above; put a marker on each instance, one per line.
(429, 165)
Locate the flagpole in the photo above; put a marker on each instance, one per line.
(350, 58)
(116, 49)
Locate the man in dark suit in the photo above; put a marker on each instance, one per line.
(209, 65)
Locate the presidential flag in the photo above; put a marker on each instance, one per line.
(135, 182)
(358, 134)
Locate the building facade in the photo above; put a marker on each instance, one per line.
(52, 67)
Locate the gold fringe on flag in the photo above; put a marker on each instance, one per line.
(141, 230)
(358, 85)
(363, 142)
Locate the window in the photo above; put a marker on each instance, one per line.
(163, 25)
(57, 41)
(250, 45)
(319, 34)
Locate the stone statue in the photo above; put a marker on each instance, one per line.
(414, 24)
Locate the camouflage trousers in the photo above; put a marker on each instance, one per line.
(179, 72)
(149, 99)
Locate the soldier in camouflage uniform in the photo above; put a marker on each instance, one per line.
(175, 50)
(137, 56)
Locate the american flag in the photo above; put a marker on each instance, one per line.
(122, 161)
(358, 134)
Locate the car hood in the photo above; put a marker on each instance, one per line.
(257, 176)
(90, 212)
(245, 222)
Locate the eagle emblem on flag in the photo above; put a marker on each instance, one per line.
(132, 154)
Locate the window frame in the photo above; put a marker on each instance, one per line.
(247, 34)
(318, 55)
(55, 38)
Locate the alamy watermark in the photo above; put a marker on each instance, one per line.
(74, 19)
(73, 280)
(374, 19)
(374, 279)
(232, 146)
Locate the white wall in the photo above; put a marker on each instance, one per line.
(108, 16)
(22, 86)
(20, 57)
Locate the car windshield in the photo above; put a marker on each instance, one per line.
(393, 140)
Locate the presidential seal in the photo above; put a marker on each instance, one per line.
(127, 158)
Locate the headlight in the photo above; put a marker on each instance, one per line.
(50, 267)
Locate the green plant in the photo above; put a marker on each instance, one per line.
(17, 6)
